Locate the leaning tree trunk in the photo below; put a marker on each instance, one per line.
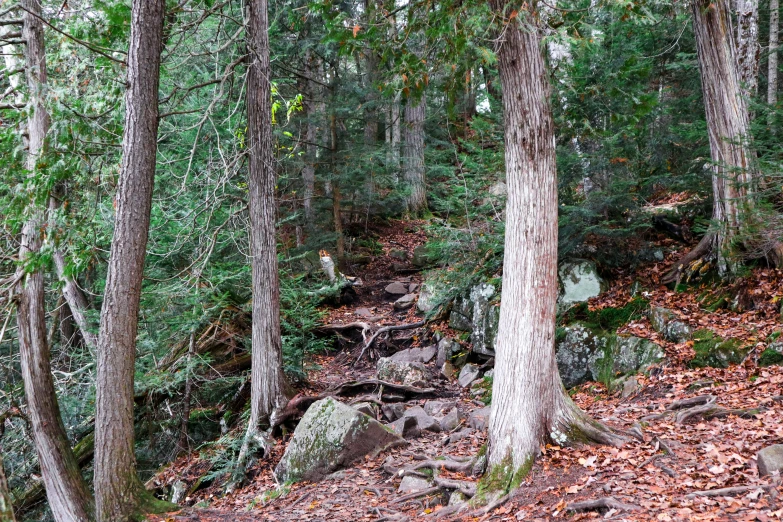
(6, 508)
(748, 48)
(267, 373)
(66, 490)
(733, 171)
(119, 493)
(413, 157)
(772, 70)
(530, 405)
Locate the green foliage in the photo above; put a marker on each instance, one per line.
(770, 357)
(605, 318)
(712, 350)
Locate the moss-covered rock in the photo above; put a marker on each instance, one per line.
(666, 323)
(773, 355)
(331, 435)
(714, 351)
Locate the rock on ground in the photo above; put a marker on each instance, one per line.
(396, 288)
(665, 322)
(409, 484)
(420, 355)
(770, 460)
(468, 374)
(331, 435)
(405, 302)
(403, 372)
(579, 281)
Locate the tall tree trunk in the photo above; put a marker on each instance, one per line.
(308, 171)
(267, 373)
(413, 159)
(66, 490)
(772, 70)
(119, 493)
(395, 134)
(530, 405)
(337, 215)
(733, 174)
(748, 48)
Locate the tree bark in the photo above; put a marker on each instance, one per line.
(748, 48)
(772, 70)
(530, 405)
(119, 493)
(267, 370)
(733, 172)
(413, 159)
(308, 171)
(66, 490)
(6, 508)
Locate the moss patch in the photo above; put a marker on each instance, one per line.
(606, 318)
(770, 357)
(714, 351)
(500, 479)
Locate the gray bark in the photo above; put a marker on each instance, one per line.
(530, 405)
(66, 490)
(267, 369)
(748, 48)
(311, 135)
(118, 491)
(733, 174)
(413, 158)
(6, 509)
(772, 70)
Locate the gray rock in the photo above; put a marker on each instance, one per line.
(447, 370)
(396, 288)
(438, 408)
(468, 374)
(405, 302)
(330, 436)
(363, 312)
(368, 408)
(584, 354)
(630, 387)
(431, 295)
(478, 314)
(423, 421)
(480, 418)
(399, 255)
(178, 491)
(770, 460)
(579, 281)
(446, 350)
(413, 287)
(393, 411)
(461, 314)
(666, 323)
(490, 374)
(406, 427)
(422, 257)
(461, 434)
(450, 421)
(407, 373)
(457, 499)
(410, 484)
(421, 355)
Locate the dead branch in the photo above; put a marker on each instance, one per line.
(601, 503)
(729, 492)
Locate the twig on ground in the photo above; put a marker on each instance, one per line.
(729, 492)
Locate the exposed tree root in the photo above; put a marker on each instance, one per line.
(442, 485)
(368, 332)
(703, 406)
(386, 329)
(730, 492)
(699, 251)
(601, 503)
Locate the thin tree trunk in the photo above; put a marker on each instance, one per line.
(183, 445)
(308, 171)
(119, 493)
(772, 70)
(337, 216)
(6, 508)
(748, 48)
(733, 174)
(413, 159)
(267, 373)
(66, 490)
(396, 134)
(530, 405)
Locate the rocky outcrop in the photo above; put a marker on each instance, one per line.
(479, 314)
(666, 323)
(714, 351)
(773, 354)
(579, 281)
(584, 354)
(331, 435)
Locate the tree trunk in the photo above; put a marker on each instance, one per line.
(337, 215)
(733, 174)
(413, 159)
(119, 493)
(308, 171)
(66, 490)
(395, 135)
(530, 405)
(6, 508)
(772, 70)
(267, 370)
(748, 48)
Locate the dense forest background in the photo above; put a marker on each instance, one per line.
(382, 113)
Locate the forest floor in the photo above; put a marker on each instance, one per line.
(693, 469)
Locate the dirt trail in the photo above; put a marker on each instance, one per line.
(661, 477)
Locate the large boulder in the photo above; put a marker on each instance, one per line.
(772, 354)
(479, 314)
(585, 354)
(431, 295)
(714, 351)
(579, 281)
(331, 435)
(409, 373)
(666, 323)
